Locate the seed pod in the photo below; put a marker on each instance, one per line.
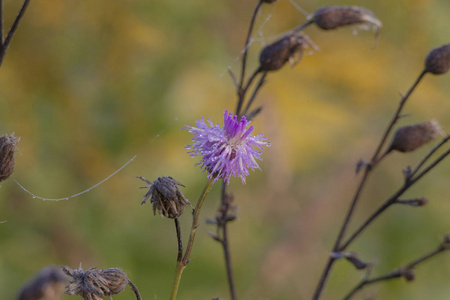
(96, 284)
(410, 138)
(165, 196)
(288, 48)
(332, 17)
(47, 284)
(438, 60)
(7, 150)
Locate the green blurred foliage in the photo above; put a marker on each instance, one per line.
(88, 85)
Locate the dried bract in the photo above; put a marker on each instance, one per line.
(288, 48)
(165, 196)
(7, 150)
(410, 138)
(48, 284)
(95, 284)
(332, 17)
(438, 60)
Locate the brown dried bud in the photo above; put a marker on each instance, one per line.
(288, 48)
(438, 60)
(95, 284)
(410, 138)
(47, 284)
(7, 150)
(165, 196)
(332, 17)
(413, 202)
(408, 274)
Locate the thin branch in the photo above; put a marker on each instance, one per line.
(431, 166)
(369, 167)
(135, 289)
(405, 271)
(249, 34)
(255, 92)
(179, 240)
(424, 160)
(243, 91)
(303, 26)
(1, 25)
(13, 29)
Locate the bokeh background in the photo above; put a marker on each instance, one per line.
(87, 85)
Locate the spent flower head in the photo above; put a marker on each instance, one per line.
(228, 150)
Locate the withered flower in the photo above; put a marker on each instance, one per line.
(438, 60)
(332, 17)
(47, 284)
(412, 137)
(7, 150)
(288, 48)
(95, 284)
(165, 196)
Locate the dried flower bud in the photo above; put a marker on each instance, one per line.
(332, 17)
(47, 284)
(7, 150)
(288, 48)
(96, 284)
(165, 196)
(410, 138)
(408, 274)
(355, 260)
(438, 60)
(413, 202)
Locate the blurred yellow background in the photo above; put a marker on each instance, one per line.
(87, 85)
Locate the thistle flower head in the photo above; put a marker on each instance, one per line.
(412, 137)
(229, 150)
(332, 17)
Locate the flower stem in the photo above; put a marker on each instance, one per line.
(181, 264)
(13, 29)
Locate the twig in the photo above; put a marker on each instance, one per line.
(369, 167)
(1, 25)
(243, 91)
(181, 264)
(179, 240)
(405, 271)
(255, 92)
(424, 160)
(303, 26)
(13, 29)
(135, 290)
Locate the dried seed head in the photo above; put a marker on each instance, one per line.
(438, 60)
(95, 284)
(47, 284)
(288, 48)
(7, 150)
(165, 196)
(410, 138)
(332, 17)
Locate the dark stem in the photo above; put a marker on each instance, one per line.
(397, 273)
(13, 29)
(1, 25)
(247, 40)
(135, 290)
(255, 92)
(431, 166)
(179, 240)
(222, 225)
(424, 160)
(303, 26)
(373, 162)
(243, 91)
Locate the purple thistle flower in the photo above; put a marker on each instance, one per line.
(227, 151)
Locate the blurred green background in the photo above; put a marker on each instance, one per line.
(87, 85)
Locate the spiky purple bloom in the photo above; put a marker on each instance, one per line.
(226, 151)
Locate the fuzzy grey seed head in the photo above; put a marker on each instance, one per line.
(47, 284)
(165, 196)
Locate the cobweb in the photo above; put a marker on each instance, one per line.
(258, 36)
